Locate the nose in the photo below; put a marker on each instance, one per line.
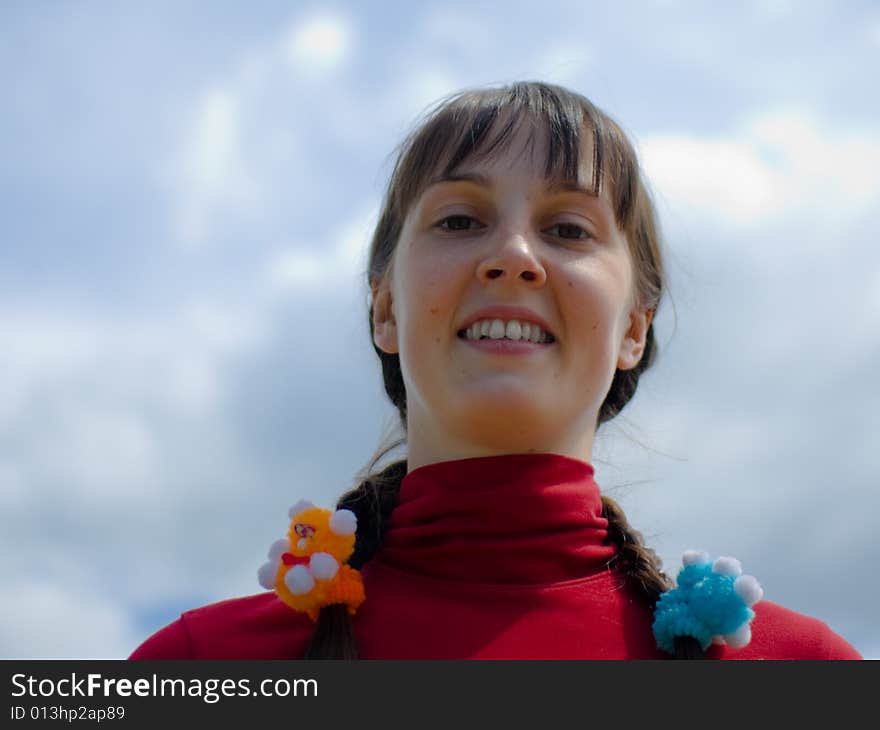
(514, 259)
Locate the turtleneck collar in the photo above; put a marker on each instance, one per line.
(510, 519)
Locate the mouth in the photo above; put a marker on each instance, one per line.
(506, 348)
(548, 339)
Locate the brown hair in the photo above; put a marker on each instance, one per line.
(458, 128)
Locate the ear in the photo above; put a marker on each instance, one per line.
(384, 323)
(633, 344)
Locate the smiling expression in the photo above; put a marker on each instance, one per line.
(497, 232)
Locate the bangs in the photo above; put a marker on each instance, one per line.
(479, 125)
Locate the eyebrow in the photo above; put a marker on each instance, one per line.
(554, 186)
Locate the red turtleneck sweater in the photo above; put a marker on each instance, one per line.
(499, 557)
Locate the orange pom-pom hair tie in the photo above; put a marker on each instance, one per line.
(307, 568)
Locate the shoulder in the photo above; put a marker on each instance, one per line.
(780, 633)
(251, 627)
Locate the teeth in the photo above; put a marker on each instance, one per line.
(496, 329)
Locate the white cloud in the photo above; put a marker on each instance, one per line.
(775, 166)
(194, 384)
(229, 160)
(318, 44)
(226, 328)
(115, 427)
(100, 452)
(12, 487)
(47, 620)
(873, 303)
(873, 31)
(354, 239)
(174, 361)
(713, 177)
(423, 87)
(212, 171)
(37, 349)
(773, 9)
(339, 264)
(295, 268)
(836, 168)
(215, 139)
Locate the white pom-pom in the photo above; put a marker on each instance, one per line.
(748, 588)
(739, 638)
(266, 574)
(727, 566)
(323, 565)
(278, 548)
(300, 506)
(298, 580)
(343, 522)
(694, 557)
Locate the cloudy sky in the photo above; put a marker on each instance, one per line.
(188, 190)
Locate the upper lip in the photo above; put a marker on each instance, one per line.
(507, 312)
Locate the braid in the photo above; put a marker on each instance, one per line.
(372, 502)
(641, 568)
(639, 563)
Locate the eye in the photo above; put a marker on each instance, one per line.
(455, 223)
(573, 229)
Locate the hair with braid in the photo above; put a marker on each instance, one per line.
(458, 128)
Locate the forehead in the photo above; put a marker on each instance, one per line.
(522, 147)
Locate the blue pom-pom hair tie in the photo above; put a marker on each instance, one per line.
(711, 602)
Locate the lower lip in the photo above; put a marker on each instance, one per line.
(504, 346)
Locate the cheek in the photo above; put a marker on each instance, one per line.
(593, 303)
(429, 300)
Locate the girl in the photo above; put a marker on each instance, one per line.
(515, 272)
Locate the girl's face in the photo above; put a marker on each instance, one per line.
(467, 245)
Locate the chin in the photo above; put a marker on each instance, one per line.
(500, 412)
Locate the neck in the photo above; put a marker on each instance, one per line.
(428, 444)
